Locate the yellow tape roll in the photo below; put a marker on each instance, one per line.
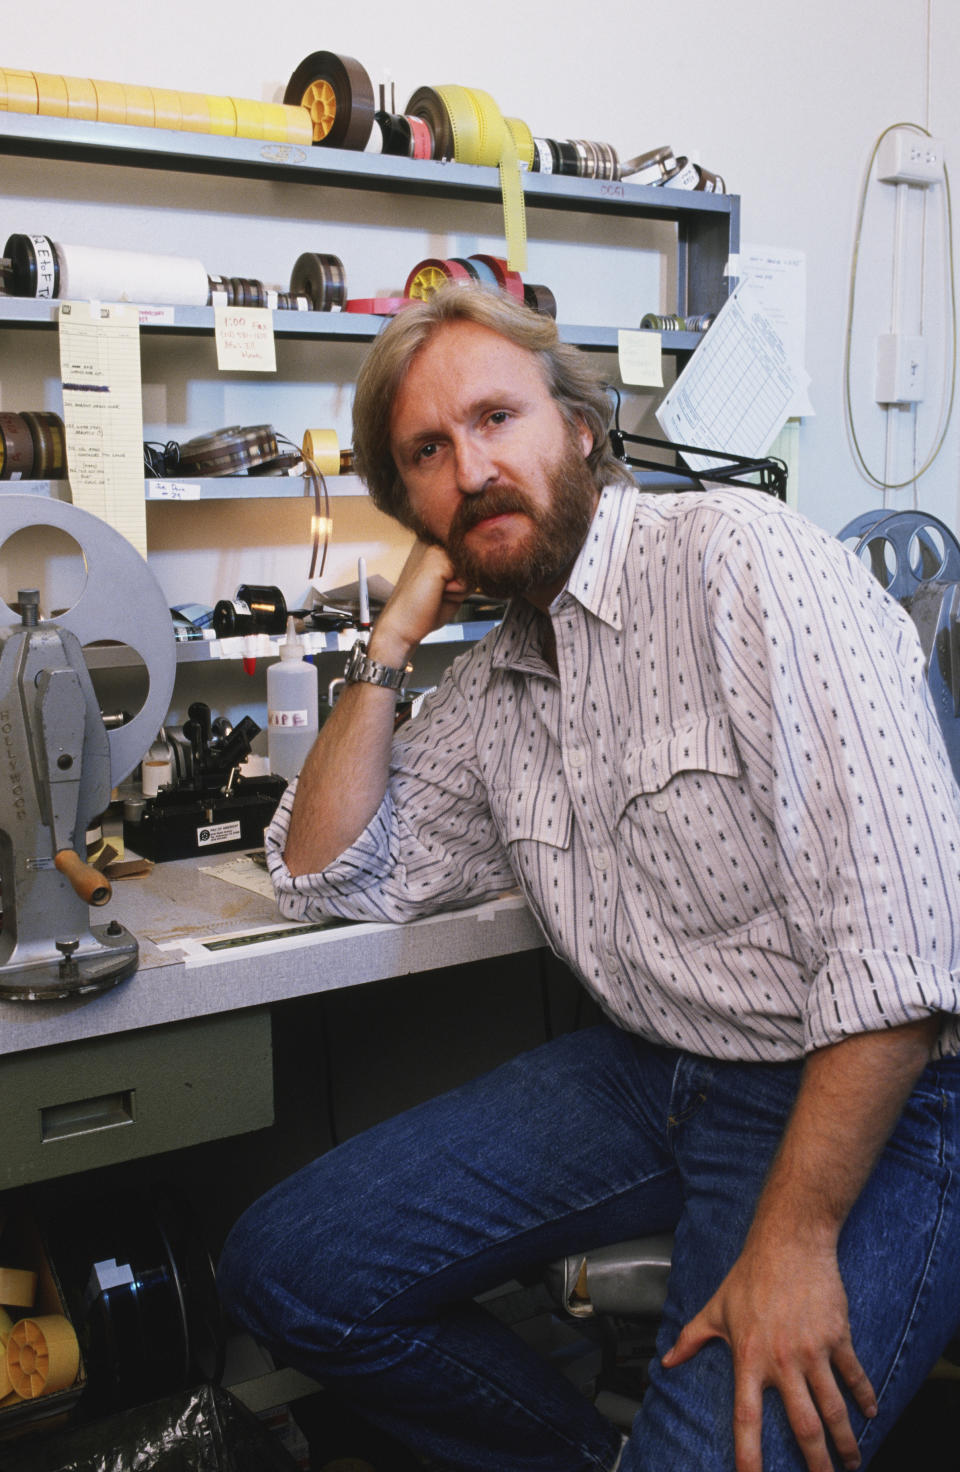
(42, 1356)
(323, 448)
(52, 99)
(464, 122)
(166, 104)
(18, 1287)
(111, 103)
(141, 112)
(21, 89)
(284, 124)
(249, 117)
(223, 116)
(81, 99)
(194, 112)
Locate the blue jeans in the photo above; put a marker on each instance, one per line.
(360, 1269)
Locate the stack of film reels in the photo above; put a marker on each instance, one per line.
(36, 266)
(426, 279)
(329, 100)
(39, 1351)
(88, 100)
(256, 450)
(32, 446)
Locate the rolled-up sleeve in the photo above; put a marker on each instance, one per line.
(824, 678)
(432, 845)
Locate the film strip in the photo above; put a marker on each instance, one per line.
(493, 272)
(91, 100)
(337, 94)
(32, 446)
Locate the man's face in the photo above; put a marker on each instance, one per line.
(491, 469)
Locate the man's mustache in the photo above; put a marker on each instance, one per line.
(497, 501)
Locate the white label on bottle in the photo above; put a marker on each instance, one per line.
(283, 719)
(217, 833)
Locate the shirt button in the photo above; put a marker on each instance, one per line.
(575, 755)
(660, 802)
(601, 858)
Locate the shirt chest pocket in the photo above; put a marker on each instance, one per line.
(536, 813)
(675, 820)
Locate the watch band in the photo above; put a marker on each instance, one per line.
(359, 668)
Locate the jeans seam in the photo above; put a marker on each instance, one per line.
(923, 1286)
(368, 1319)
(506, 1395)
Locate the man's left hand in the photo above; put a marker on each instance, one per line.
(782, 1310)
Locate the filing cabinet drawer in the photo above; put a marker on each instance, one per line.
(110, 1099)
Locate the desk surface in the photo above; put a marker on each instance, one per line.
(178, 911)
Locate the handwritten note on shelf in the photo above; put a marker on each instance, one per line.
(103, 413)
(245, 342)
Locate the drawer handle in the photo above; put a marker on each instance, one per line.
(86, 1116)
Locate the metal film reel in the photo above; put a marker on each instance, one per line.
(904, 549)
(121, 602)
(321, 279)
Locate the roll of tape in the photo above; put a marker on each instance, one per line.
(223, 116)
(21, 89)
(283, 124)
(421, 138)
(52, 99)
(43, 1356)
(140, 107)
(338, 95)
(194, 112)
(18, 1287)
(111, 103)
(81, 99)
(323, 448)
(249, 118)
(169, 113)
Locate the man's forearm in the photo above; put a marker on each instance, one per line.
(343, 779)
(850, 1098)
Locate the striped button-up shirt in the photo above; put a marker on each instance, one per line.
(730, 809)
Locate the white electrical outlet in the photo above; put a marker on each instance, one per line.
(906, 157)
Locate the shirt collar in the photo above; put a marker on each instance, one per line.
(597, 575)
(594, 581)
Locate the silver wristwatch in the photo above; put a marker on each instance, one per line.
(371, 672)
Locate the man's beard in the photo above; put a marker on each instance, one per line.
(550, 545)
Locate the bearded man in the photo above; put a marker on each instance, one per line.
(701, 743)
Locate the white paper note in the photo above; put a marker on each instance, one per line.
(245, 342)
(640, 358)
(103, 413)
(775, 278)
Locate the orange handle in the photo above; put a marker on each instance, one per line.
(86, 880)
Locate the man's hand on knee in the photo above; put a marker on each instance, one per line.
(783, 1312)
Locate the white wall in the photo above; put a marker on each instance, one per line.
(784, 100)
